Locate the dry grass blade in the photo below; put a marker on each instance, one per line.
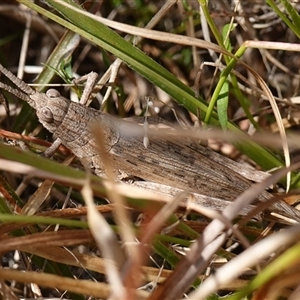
(38, 198)
(148, 234)
(161, 217)
(152, 34)
(90, 262)
(6, 292)
(41, 194)
(247, 259)
(60, 238)
(87, 287)
(213, 215)
(107, 242)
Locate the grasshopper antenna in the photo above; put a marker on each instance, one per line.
(26, 90)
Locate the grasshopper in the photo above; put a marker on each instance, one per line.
(181, 164)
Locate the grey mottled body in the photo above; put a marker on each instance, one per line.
(176, 163)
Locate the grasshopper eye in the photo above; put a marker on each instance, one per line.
(46, 115)
(52, 93)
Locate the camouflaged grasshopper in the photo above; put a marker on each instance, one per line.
(180, 164)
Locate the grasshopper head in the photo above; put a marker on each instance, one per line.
(51, 109)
